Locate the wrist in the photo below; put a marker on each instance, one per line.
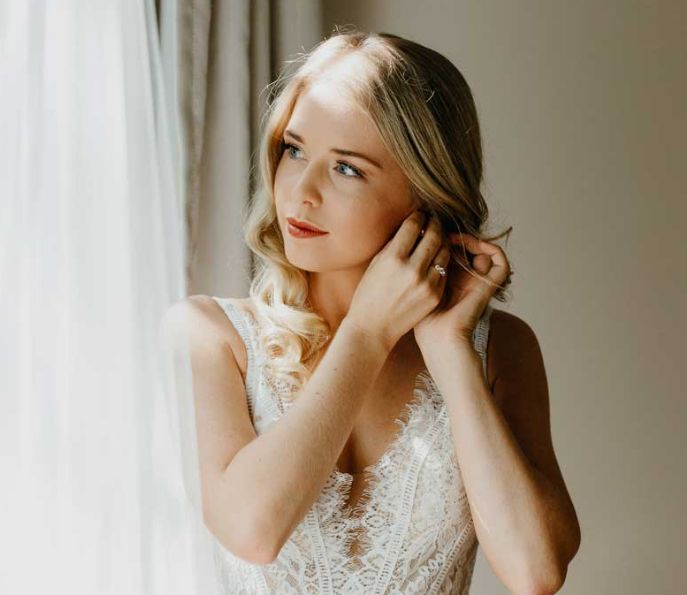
(367, 334)
(440, 340)
(458, 350)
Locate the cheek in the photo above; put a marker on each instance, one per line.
(364, 232)
(280, 191)
(279, 181)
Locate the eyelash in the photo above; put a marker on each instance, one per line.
(359, 174)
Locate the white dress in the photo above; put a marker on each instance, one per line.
(412, 521)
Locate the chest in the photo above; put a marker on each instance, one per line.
(376, 431)
(377, 426)
(397, 463)
(394, 514)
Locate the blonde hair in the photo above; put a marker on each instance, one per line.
(426, 116)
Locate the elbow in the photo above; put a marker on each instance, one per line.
(552, 579)
(539, 577)
(246, 540)
(546, 574)
(548, 586)
(545, 580)
(538, 586)
(262, 546)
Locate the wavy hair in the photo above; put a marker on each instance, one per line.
(425, 113)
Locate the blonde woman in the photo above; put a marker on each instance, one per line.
(365, 417)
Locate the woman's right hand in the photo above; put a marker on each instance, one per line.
(400, 286)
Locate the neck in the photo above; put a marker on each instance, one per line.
(330, 295)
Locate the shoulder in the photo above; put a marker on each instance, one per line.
(512, 348)
(503, 324)
(522, 394)
(203, 321)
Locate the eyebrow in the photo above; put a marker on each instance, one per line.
(300, 139)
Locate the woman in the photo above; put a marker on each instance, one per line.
(355, 434)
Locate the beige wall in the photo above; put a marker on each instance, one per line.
(582, 106)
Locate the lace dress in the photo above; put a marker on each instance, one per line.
(412, 521)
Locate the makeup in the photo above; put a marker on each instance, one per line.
(297, 232)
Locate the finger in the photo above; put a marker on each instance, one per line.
(405, 237)
(490, 259)
(465, 253)
(476, 246)
(429, 245)
(441, 282)
(482, 263)
(443, 259)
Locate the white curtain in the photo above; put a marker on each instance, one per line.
(101, 139)
(99, 487)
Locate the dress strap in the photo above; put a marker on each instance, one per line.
(244, 325)
(480, 336)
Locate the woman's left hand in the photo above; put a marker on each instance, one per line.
(466, 296)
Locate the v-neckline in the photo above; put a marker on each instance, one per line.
(355, 515)
(423, 388)
(420, 395)
(375, 475)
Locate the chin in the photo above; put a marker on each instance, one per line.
(306, 261)
(316, 262)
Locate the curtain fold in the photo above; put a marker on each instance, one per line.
(126, 130)
(225, 55)
(97, 440)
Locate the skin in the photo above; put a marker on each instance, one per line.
(360, 214)
(525, 520)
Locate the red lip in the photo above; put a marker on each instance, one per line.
(297, 232)
(304, 225)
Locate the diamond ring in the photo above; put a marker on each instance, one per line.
(442, 270)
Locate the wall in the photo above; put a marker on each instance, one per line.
(582, 107)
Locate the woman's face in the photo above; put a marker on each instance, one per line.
(359, 202)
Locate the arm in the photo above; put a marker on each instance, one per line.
(284, 469)
(259, 488)
(524, 518)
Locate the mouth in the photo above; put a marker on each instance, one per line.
(298, 232)
(304, 225)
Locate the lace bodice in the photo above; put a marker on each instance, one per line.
(412, 521)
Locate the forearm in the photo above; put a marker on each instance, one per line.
(520, 519)
(279, 475)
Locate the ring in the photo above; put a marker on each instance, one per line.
(442, 270)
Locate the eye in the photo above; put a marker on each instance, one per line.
(356, 172)
(289, 146)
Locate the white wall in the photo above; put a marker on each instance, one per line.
(582, 107)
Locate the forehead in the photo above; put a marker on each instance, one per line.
(326, 113)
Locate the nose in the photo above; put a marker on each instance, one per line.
(307, 186)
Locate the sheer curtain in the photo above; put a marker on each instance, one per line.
(110, 174)
(99, 476)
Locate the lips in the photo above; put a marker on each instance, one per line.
(304, 225)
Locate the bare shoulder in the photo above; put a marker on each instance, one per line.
(206, 323)
(520, 388)
(512, 346)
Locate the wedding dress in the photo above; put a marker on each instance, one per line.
(413, 519)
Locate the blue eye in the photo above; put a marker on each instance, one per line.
(355, 170)
(289, 146)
